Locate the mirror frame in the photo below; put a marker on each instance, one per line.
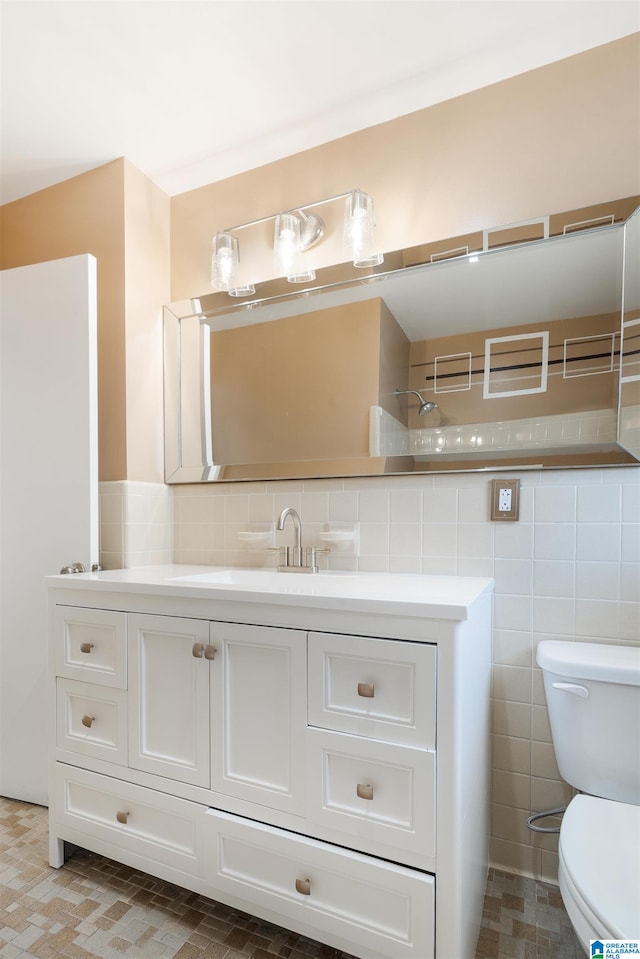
(341, 277)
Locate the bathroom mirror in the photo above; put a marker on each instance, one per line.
(517, 347)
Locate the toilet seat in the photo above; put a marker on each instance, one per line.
(599, 870)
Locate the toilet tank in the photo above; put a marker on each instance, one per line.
(593, 697)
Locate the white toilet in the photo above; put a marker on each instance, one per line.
(593, 697)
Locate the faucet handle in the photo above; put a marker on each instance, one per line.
(283, 551)
(312, 552)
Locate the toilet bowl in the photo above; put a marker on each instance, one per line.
(599, 868)
(593, 698)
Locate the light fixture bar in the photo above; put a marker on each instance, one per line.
(293, 209)
(295, 232)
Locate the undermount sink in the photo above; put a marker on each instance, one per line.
(332, 585)
(325, 583)
(249, 578)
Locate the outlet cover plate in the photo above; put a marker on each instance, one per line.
(503, 491)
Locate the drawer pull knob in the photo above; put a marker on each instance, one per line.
(303, 886)
(210, 652)
(86, 647)
(198, 650)
(122, 817)
(364, 791)
(88, 721)
(366, 689)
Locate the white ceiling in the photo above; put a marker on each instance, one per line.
(192, 91)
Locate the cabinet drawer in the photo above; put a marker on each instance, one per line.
(133, 819)
(373, 792)
(378, 688)
(353, 902)
(92, 720)
(90, 645)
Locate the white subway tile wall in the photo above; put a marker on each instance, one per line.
(136, 524)
(545, 432)
(568, 569)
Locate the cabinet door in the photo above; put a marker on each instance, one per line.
(258, 710)
(169, 697)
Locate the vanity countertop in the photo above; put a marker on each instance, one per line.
(403, 594)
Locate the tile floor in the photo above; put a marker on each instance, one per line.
(94, 907)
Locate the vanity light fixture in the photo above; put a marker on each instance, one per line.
(292, 235)
(295, 232)
(286, 241)
(359, 229)
(225, 261)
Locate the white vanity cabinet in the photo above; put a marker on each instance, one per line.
(299, 751)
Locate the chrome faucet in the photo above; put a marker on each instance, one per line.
(294, 559)
(297, 549)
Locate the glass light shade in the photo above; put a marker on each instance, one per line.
(224, 262)
(359, 230)
(302, 276)
(286, 243)
(247, 290)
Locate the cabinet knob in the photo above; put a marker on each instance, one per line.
(303, 886)
(88, 721)
(366, 689)
(86, 647)
(364, 791)
(198, 650)
(210, 652)
(122, 817)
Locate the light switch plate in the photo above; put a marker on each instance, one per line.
(505, 499)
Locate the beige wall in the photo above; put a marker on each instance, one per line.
(557, 138)
(119, 216)
(146, 291)
(564, 394)
(299, 388)
(84, 215)
(292, 397)
(394, 364)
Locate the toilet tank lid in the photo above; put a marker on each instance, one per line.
(596, 661)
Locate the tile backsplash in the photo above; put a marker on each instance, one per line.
(388, 437)
(569, 568)
(136, 524)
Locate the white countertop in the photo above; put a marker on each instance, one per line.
(405, 594)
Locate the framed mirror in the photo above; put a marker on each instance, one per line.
(509, 348)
